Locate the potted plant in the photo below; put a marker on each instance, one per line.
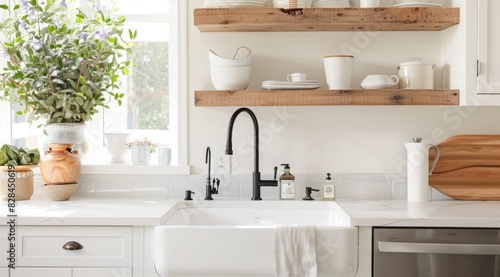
(64, 60)
(16, 174)
(141, 150)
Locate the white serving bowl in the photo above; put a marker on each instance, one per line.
(230, 77)
(216, 60)
(439, 2)
(60, 192)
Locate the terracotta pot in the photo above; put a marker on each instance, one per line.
(16, 182)
(60, 166)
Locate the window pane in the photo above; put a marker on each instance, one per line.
(143, 6)
(148, 87)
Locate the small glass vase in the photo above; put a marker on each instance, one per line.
(141, 155)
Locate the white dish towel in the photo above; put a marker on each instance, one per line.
(295, 251)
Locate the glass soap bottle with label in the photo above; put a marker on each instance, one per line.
(287, 184)
(328, 190)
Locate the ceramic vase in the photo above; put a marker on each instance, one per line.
(16, 182)
(66, 133)
(141, 155)
(60, 165)
(117, 146)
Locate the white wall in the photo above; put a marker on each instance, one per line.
(340, 139)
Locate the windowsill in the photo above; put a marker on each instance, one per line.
(130, 169)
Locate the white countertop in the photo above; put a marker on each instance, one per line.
(151, 212)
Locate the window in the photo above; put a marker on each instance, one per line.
(153, 106)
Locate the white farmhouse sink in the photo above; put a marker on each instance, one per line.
(236, 238)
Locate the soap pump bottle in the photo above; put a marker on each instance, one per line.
(287, 184)
(328, 190)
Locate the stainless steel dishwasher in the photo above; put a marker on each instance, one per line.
(436, 252)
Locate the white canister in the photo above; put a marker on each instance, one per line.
(338, 71)
(416, 75)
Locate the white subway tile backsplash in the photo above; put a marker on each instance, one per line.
(364, 190)
(348, 186)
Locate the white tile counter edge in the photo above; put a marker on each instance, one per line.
(151, 212)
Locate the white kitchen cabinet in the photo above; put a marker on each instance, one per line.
(472, 53)
(40, 272)
(4, 244)
(102, 272)
(488, 79)
(73, 251)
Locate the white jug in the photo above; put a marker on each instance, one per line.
(418, 169)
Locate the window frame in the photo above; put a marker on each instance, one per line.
(178, 104)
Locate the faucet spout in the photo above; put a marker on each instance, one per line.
(257, 182)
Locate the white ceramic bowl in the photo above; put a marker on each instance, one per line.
(216, 60)
(60, 192)
(230, 77)
(439, 2)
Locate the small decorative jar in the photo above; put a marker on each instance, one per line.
(16, 182)
(141, 155)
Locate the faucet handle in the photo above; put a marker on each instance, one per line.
(275, 172)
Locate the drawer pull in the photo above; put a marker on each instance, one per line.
(72, 245)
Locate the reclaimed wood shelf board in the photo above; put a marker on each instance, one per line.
(325, 19)
(326, 97)
(468, 167)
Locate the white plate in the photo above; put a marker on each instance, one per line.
(411, 5)
(286, 83)
(290, 86)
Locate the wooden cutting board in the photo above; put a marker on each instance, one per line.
(468, 167)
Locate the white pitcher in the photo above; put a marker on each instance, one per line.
(418, 169)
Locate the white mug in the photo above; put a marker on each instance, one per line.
(369, 3)
(164, 154)
(296, 77)
(338, 71)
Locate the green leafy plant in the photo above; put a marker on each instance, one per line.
(11, 155)
(64, 60)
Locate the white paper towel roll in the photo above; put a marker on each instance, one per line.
(417, 171)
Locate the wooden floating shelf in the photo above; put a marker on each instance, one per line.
(325, 19)
(326, 97)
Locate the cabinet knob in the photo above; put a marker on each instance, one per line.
(72, 245)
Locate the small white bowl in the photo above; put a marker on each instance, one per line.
(61, 192)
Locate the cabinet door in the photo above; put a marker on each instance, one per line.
(40, 272)
(4, 246)
(102, 272)
(488, 81)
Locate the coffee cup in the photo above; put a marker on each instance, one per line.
(164, 155)
(369, 3)
(379, 81)
(297, 77)
(338, 71)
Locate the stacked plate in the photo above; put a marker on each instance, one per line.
(331, 4)
(234, 3)
(274, 85)
(418, 3)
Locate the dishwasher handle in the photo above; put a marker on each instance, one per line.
(439, 248)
